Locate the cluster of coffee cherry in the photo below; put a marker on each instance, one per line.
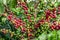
(59, 9)
(50, 14)
(23, 4)
(53, 13)
(39, 23)
(55, 25)
(25, 8)
(16, 21)
(26, 11)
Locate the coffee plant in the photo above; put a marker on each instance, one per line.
(29, 19)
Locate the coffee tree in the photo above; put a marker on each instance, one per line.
(29, 19)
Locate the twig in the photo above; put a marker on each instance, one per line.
(7, 9)
(25, 1)
(19, 0)
(35, 6)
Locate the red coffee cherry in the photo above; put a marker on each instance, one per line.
(52, 27)
(23, 29)
(57, 27)
(29, 35)
(9, 17)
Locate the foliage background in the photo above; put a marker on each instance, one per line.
(40, 35)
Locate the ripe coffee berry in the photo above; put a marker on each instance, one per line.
(37, 25)
(53, 27)
(23, 29)
(47, 12)
(29, 35)
(57, 27)
(54, 22)
(53, 15)
(30, 30)
(41, 21)
(9, 17)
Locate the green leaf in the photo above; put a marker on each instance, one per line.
(4, 2)
(7, 36)
(35, 39)
(42, 36)
(1, 7)
(25, 38)
(12, 3)
(58, 33)
(4, 19)
(56, 4)
(52, 35)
